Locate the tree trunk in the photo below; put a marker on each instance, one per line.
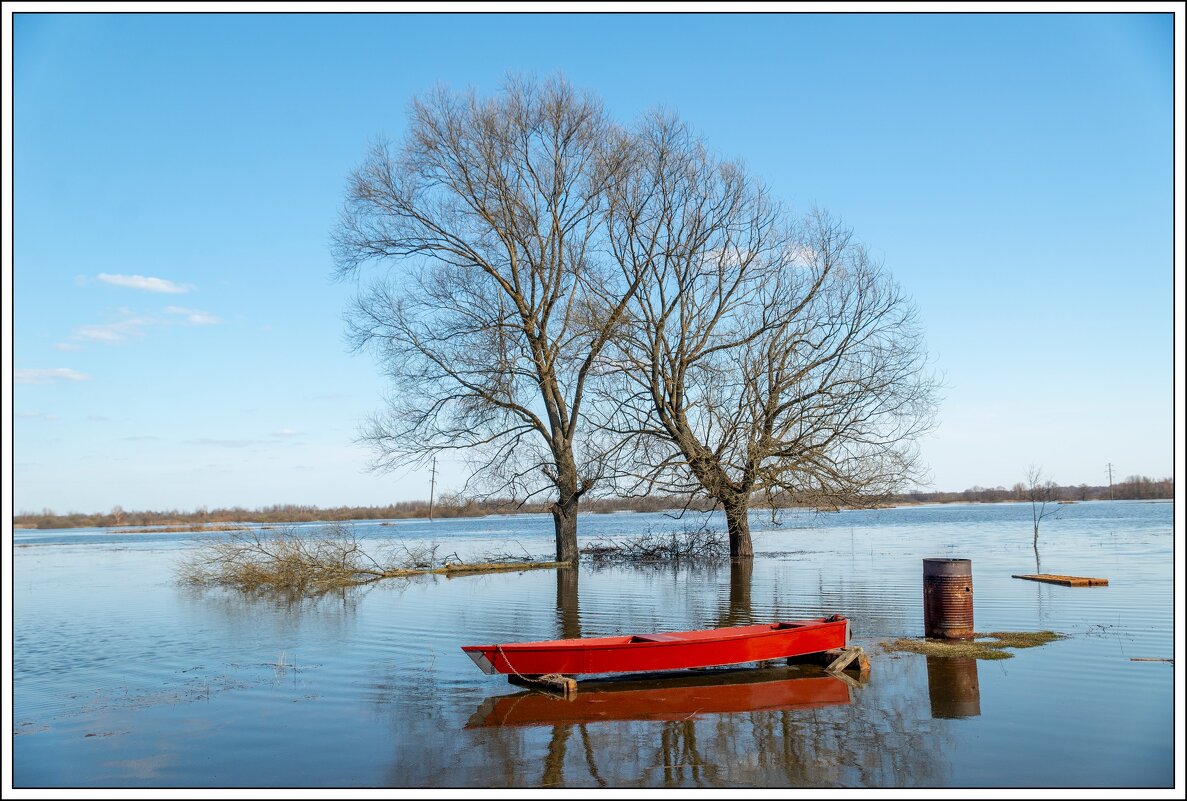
(564, 518)
(737, 521)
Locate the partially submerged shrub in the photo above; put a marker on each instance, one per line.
(285, 560)
(257, 559)
(700, 544)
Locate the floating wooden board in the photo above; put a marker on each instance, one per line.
(1067, 581)
(565, 685)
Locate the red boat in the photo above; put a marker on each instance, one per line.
(675, 650)
(675, 698)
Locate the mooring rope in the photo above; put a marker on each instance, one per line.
(508, 661)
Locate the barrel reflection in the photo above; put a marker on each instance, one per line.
(953, 688)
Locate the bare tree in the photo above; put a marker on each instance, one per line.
(759, 359)
(1040, 492)
(490, 331)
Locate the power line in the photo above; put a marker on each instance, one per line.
(432, 487)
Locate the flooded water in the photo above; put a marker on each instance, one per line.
(123, 678)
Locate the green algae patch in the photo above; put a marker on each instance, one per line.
(983, 646)
(1022, 639)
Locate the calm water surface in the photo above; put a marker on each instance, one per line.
(124, 678)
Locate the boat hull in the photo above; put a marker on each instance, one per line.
(676, 650)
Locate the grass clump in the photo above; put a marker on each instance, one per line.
(1023, 639)
(982, 646)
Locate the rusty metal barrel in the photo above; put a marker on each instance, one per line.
(948, 599)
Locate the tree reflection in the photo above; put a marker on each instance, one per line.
(739, 611)
(568, 613)
(825, 747)
(554, 759)
(679, 758)
(568, 616)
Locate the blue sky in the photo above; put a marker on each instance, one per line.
(177, 337)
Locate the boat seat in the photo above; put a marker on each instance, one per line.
(657, 638)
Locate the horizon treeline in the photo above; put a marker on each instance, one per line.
(1132, 488)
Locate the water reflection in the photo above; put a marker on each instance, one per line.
(767, 726)
(823, 738)
(568, 615)
(740, 611)
(331, 611)
(953, 688)
(673, 697)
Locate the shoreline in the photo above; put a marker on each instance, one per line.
(186, 522)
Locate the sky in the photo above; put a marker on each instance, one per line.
(177, 335)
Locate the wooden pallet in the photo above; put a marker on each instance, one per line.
(838, 660)
(1067, 581)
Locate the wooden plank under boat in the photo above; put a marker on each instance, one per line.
(675, 698)
(676, 650)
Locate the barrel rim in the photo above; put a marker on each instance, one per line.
(948, 567)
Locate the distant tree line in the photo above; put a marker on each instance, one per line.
(447, 506)
(1133, 488)
(454, 505)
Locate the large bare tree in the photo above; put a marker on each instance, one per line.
(490, 328)
(758, 359)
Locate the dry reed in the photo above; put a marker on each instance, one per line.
(283, 560)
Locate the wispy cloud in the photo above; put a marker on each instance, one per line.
(36, 416)
(114, 332)
(146, 283)
(285, 432)
(223, 443)
(47, 376)
(194, 316)
(134, 326)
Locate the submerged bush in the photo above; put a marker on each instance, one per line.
(691, 545)
(257, 559)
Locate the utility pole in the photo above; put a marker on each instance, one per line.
(1110, 466)
(432, 488)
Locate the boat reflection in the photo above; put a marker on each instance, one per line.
(668, 697)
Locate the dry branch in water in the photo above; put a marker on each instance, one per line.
(687, 545)
(285, 560)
